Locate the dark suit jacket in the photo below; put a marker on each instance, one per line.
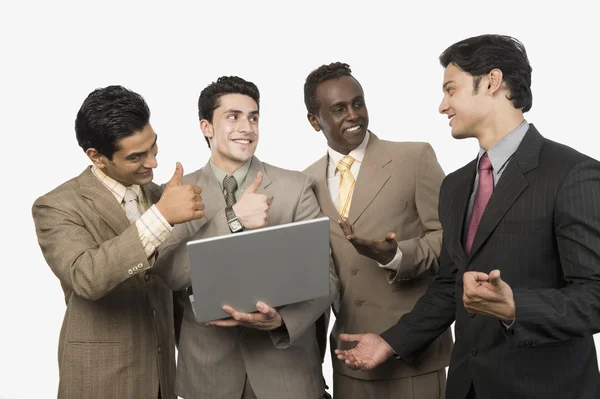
(117, 338)
(541, 228)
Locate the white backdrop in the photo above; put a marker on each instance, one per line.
(53, 53)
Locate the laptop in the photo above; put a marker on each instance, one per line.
(277, 265)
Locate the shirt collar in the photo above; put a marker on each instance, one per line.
(239, 175)
(114, 186)
(503, 150)
(358, 153)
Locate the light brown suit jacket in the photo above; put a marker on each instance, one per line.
(117, 338)
(213, 361)
(396, 190)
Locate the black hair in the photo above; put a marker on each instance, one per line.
(107, 115)
(480, 54)
(315, 78)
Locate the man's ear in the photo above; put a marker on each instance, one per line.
(97, 159)
(207, 129)
(314, 121)
(495, 80)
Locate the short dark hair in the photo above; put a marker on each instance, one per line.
(315, 78)
(480, 54)
(107, 115)
(209, 97)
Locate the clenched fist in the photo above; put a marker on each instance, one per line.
(180, 203)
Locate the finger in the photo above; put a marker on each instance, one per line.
(198, 215)
(345, 226)
(177, 176)
(197, 190)
(390, 238)
(361, 242)
(223, 323)
(266, 310)
(199, 205)
(495, 277)
(255, 183)
(239, 316)
(350, 337)
(269, 200)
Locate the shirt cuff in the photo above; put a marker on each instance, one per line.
(153, 229)
(507, 325)
(394, 263)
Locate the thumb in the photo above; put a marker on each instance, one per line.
(351, 337)
(255, 184)
(177, 176)
(495, 277)
(390, 237)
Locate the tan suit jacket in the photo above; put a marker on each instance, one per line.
(117, 338)
(213, 361)
(396, 190)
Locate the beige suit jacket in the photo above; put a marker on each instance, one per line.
(213, 361)
(396, 190)
(117, 338)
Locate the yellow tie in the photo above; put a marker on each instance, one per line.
(346, 185)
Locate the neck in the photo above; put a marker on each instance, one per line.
(499, 126)
(227, 165)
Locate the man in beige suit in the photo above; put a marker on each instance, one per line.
(98, 233)
(272, 353)
(382, 199)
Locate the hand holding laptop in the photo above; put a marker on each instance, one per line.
(265, 319)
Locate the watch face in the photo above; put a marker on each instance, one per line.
(235, 225)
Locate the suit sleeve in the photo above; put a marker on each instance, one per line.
(298, 317)
(545, 316)
(433, 313)
(173, 263)
(420, 254)
(89, 269)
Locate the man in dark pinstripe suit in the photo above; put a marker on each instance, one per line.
(520, 258)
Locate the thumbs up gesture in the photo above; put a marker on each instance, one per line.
(489, 295)
(180, 203)
(253, 208)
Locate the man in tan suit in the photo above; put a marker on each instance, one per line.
(386, 192)
(98, 233)
(272, 353)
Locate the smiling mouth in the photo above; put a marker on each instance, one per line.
(353, 129)
(242, 141)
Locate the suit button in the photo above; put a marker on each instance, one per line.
(153, 312)
(130, 271)
(243, 335)
(147, 277)
(471, 315)
(353, 272)
(358, 303)
(158, 349)
(473, 352)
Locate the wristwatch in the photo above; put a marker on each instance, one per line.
(234, 222)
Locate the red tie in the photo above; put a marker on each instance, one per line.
(485, 187)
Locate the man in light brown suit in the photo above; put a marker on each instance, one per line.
(98, 233)
(272, 353)
(376, 189)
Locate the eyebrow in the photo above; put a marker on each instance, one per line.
(135, 154)
(239, 112)
(447, 83)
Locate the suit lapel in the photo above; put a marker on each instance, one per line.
(459, 201)
(212, 196)
(322, 190)
(152, 193)
(509, 187)
(103, 201)
(255, 167)
(371, 178)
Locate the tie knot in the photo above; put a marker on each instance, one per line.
(485, 163)
(130, 195)
(345, 163)
(230, 184)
